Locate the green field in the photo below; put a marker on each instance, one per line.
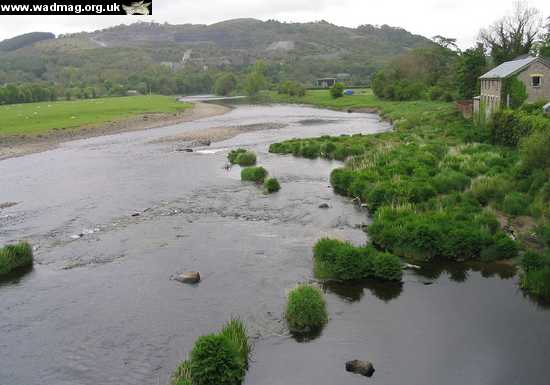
(42, 118)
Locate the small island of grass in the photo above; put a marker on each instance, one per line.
(14, 257)
(306, 309)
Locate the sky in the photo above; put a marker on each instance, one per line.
(450, 18)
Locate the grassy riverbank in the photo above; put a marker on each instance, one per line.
(436, 187)
(32, 119)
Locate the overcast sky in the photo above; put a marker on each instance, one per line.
(450, 18)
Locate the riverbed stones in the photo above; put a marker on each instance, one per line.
(364, 368)
(188, 277)
(324, 206)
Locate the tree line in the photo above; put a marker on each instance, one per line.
(444, 72)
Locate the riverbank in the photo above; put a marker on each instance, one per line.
(51, 132)
(436, 186)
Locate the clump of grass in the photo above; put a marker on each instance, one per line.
(242, 157)
(217, 359)
(15, 256)
(336, 259)
(253, 174)
(536, 274)
(272, 185)
(306, 309)
(235, 331)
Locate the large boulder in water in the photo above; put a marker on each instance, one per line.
(364, 368)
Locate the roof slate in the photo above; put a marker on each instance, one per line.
(508, 68)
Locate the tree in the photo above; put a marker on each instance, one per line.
(255, 80)
(445, 42)
(470, 66)
(513, 35)
(337, 90)
(225, 84)
(544, 44)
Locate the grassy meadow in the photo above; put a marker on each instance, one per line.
(33, 119)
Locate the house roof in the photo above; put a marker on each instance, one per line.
(509, 68)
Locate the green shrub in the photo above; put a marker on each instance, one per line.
(215, 360)
(488, 189)
(535, 149)
(516, 203)
(502, 248)
(449, 180)
(235, 331)
(337, 90)
(342, 260)
(291, 88)
(508, 127)
(532, 261)
(242, 157)
(272, 185)
(537, 282)
(388, 266)
(15, 256)
(306, 309)
(253, 174)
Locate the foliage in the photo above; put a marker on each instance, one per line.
(421, 73)
(272, 185)
(535, 149)
(508, 127)
(306, 309)
(225, 84)
(516, 203)
(536, 274)
(514, 92)
(255, 81)
(242, 157)
(337, 90)
(291, 88)
(215, 360)
(502, 248)
(512, 35)
(341, 260)
(471, 65)
(15, 256)
(220, 358)
(235, 331)
(254, 174)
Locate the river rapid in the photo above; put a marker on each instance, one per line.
(112, 218)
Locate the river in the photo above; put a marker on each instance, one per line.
(99, 306)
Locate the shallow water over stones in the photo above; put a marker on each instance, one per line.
(100, 308)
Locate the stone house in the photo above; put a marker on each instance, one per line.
(533, 72)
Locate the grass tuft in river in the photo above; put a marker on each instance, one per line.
(306, 309)
(16, 256)
(254, 174)
(272, 185)
(242, 157)
(217, 359)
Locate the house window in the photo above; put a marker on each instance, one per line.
(536, 81)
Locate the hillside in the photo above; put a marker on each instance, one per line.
(301, 51)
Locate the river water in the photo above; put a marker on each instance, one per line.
(99, 306)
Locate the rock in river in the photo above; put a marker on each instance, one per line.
(324, 206)
(188, 277)
(364, 368)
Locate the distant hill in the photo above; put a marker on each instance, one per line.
(300, 51)
(24, 40)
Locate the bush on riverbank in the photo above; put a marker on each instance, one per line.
(306, 309)
(272, 185)
(536, 274)
(340, 260)
(15, 256)
(217, 359)
(242, 157)
(253, 174)
(508, 127)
